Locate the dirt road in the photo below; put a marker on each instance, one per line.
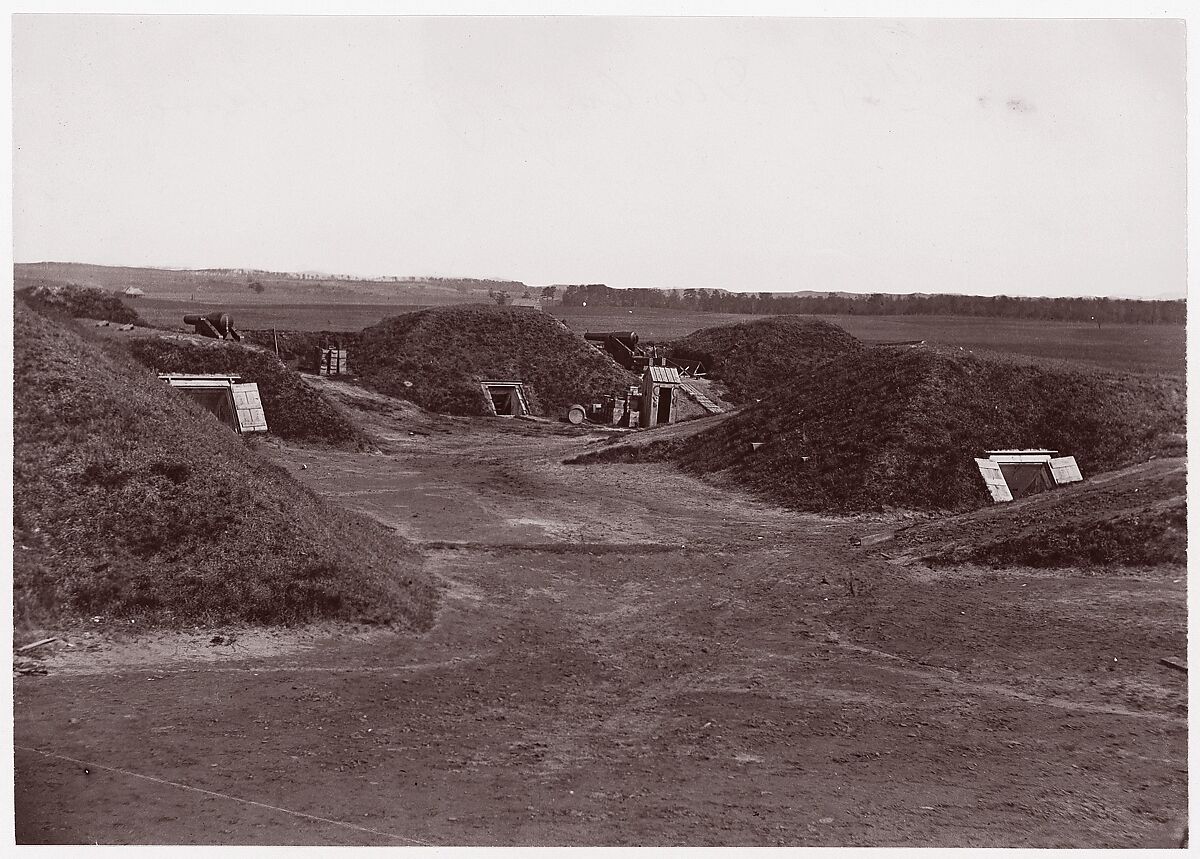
(627, 655)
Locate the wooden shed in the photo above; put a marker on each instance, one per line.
(660, 387)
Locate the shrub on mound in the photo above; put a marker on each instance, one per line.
(85, 302)
(436, 358)
(293, 409)
(900, 427)
(131, 501)
(752, 358)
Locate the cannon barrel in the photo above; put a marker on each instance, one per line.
(219, 325)
(630, 338)
(217, 318)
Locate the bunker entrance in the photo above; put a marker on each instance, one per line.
(1013, 474)
(506, 399)
(219, 401)
(1027, 478)
(235, 403)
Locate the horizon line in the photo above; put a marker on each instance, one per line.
(1163, 296)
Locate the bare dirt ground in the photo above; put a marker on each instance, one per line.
(626, 655)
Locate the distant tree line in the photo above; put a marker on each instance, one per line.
(1099, 310)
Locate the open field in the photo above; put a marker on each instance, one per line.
(626, 655)
(297, 316)
(238, 286)
(1131, 348)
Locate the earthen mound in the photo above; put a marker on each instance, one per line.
(437, 358)
(752, 358)
(294, 410)
(81, 302)
(1131, 517)
(888, 427)
(132, 501)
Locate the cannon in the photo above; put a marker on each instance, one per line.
(623, 347)
(216, 325)
(629, 338)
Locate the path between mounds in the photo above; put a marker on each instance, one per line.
(626, 655)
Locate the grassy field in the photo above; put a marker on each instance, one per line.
(273, 287)
(295, 316)
(1130, 348)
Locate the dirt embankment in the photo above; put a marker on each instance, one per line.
(295, 410)
(132, 501)
(437, 358)
(871, 429)
(753, 358)
(81, 302)
(901, 427)
(1131, 517)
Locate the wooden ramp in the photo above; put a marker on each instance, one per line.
(705, 403)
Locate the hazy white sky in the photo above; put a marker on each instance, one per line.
(990, 156)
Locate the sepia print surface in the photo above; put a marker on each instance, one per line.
(611, 431)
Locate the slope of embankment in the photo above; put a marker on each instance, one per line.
(436, 358)
(752, 358)
(294, 410)
(81, 302)
(132, 501)
(900, 428)
(1131, 517)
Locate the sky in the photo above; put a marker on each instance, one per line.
(1016, 157)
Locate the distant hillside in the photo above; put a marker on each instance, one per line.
(242, 285)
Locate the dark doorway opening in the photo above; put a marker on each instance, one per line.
(506, 398)
(219, 401)
(502, 401)
(1027, 478)
(664, 405)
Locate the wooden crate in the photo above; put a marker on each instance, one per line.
(331, 362)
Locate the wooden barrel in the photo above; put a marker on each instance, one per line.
(576, 414)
